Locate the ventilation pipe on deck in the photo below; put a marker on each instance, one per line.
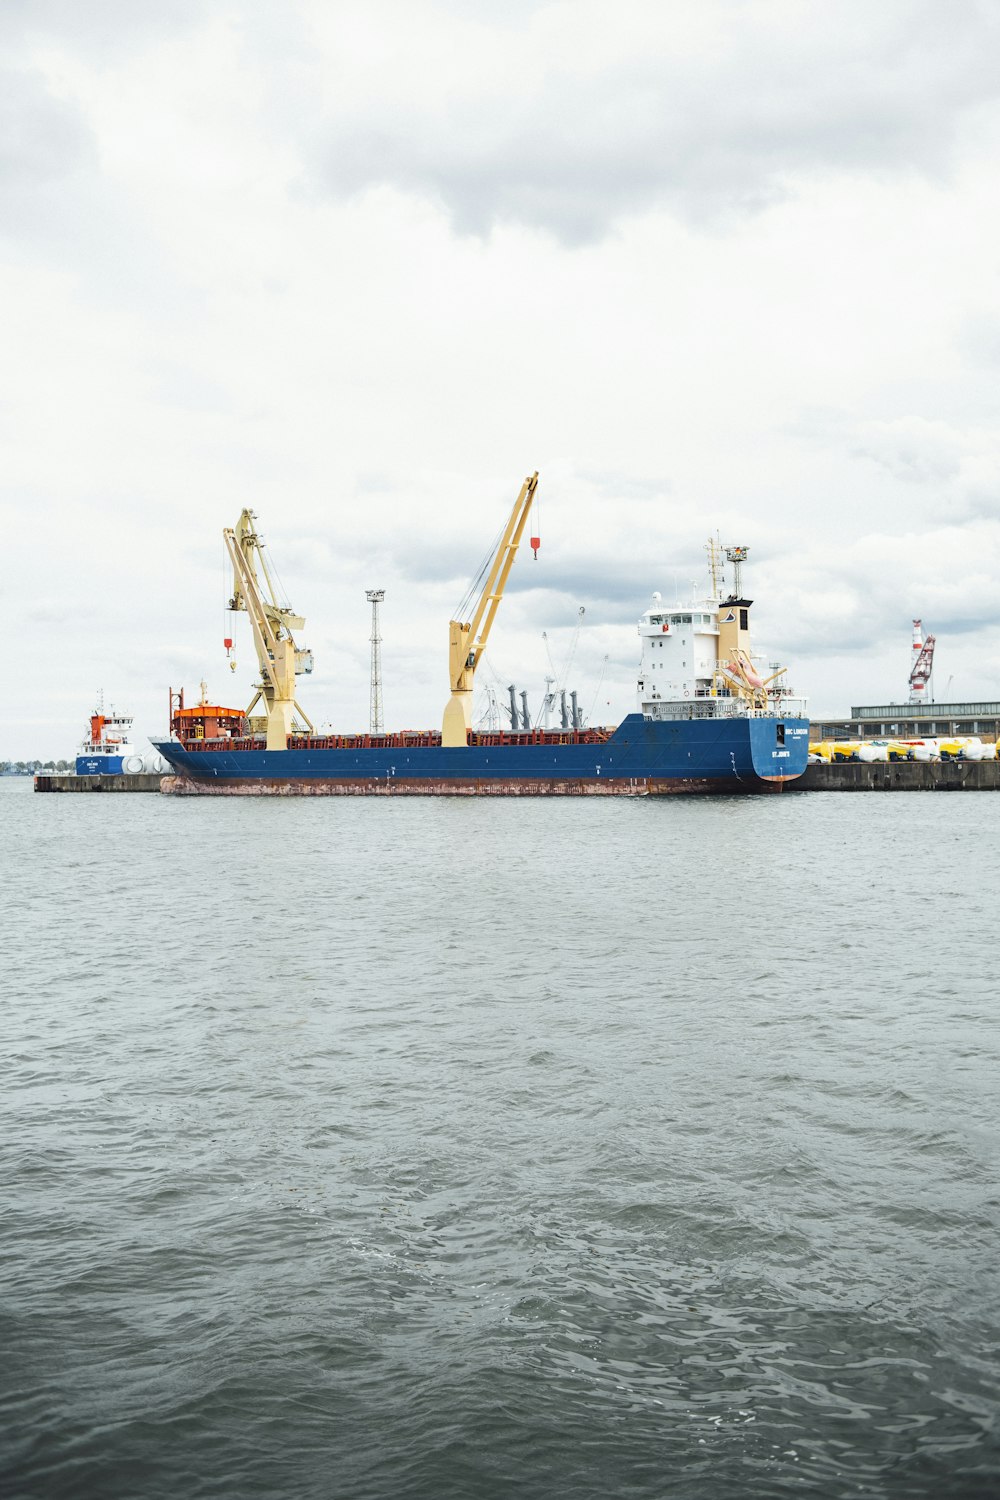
(514, 716)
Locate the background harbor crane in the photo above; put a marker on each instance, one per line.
(923, 665)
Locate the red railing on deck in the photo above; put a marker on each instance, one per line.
(409, 739)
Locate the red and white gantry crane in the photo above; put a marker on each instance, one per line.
(923, 665)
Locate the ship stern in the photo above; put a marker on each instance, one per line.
(779, 749)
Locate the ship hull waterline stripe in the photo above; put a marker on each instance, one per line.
(397, 787)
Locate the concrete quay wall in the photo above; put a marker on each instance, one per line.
(901, 776)
(144, 782)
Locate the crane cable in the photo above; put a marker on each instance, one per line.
(573, 645)
(228, 614)
(281, 600)
(604, 668)
(475, 587)
(548, 653)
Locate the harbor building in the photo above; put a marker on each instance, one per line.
(911, 721)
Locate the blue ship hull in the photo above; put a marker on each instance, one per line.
(99, 765)
(641, 758)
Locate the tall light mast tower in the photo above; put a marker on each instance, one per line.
(375, 597)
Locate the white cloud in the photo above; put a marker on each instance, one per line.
(562, 121)
(714, 265)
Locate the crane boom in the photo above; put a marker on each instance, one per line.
(467, 640)
(278, 657)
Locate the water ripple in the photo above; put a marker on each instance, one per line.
(653, 1157)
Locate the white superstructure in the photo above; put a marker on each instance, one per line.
(680, 651)
(697, 662)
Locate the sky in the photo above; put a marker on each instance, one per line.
(710, 266)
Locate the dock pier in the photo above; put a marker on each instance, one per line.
(900, 776)
(145, 781)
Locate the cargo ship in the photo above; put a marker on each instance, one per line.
(708, 719)
(107, 749)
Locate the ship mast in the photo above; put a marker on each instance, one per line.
(714, 564)
(737, 556)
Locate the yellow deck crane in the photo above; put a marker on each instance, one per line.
(467, 640)
(740, 677)
(280, 660)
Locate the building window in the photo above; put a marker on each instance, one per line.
(744, 619)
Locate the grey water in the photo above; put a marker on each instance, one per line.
(533, 1148)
